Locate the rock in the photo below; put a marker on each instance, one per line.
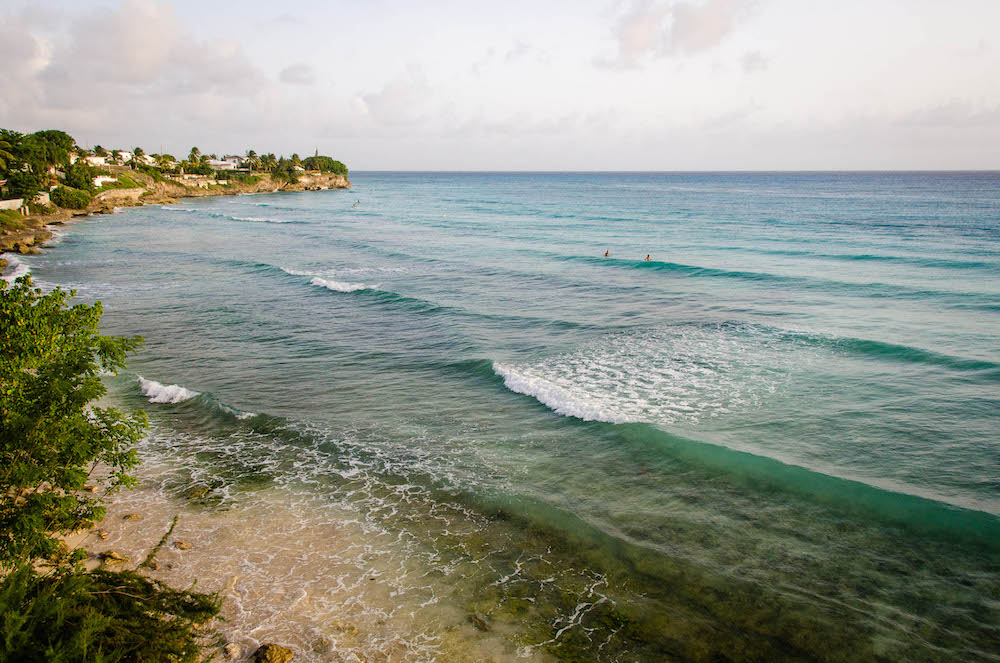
(112, 557)
(478, 620)
(322, 645)
(131, 516)
(153, 566)
(89, 488)
(272, 653)
(182, 545)
(102, 535)
(232, 650)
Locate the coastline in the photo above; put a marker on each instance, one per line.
(35, 231)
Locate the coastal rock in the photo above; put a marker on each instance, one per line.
(112, 557)
(131, 516)
(89, 488)
(182, 545)
(102, 535)
(232, 650)
(272, 653)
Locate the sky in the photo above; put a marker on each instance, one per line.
(518, 85)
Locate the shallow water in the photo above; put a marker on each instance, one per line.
(775, 440)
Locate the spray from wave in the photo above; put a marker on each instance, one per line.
(160, 393)
(15, 269)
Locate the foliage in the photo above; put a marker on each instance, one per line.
(155, 173)
(81, 176)
(99, 616)
(197, 168)
(100, 151)
(41, 209)
(51, 356)
(325, 164)
(236, 176)
(23, 184)
(70, 198)
(10, 220)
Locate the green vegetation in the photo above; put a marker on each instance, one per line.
(99, 616)
(325, 165)
(51, 441)
(10, 220)
(70, 198)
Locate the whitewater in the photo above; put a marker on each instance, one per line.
(444, 425)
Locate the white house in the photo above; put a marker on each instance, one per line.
(96, 161)
(101, 180)
(225, 163)
(121, 156)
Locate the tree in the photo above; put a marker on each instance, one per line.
(52, 438)
(100, 151)
(194, 156)
(295, 159)
(138, 152)
(70, 198)
(6, 158)
(252, 161)
(23, 184)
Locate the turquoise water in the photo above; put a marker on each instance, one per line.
(775, 440)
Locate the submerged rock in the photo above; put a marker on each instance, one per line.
(102, 535)
(272, 653)
(478, 620)
(232, 650)
(131, 516)
(182, 545)
(112, 557)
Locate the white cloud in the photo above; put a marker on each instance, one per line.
(298, 74)
(403, 100)
(650, 29)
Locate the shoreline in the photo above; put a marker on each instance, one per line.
(36, 232)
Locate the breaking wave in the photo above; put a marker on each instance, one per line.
(160, 393)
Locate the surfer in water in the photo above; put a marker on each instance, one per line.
(648, 259)
(607, 253)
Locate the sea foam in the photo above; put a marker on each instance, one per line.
(340, 286)
(15, 269)
(160, 393)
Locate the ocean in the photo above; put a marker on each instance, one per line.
(428, 418)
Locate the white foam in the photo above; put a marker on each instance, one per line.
(340, 286)
(261, 219)
(15, 268)
(159, 393)
(675, 375)
(174, 208)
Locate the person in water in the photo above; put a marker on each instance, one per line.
(607, 253)
(648, 258)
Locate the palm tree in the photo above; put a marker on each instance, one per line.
(252, 160)
(193, 157)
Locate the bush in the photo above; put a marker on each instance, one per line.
(23, 184)
(52, 436)
(70, 198)
(81, 176)
(72, 615)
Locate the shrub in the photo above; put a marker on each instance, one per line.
(71, 615)
(70, 198)
(51, 356)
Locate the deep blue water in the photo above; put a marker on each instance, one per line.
(776, 438)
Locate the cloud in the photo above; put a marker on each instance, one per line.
(130, 63)
(298, 74)
(650, 29)
(401, 100)
(753, 62)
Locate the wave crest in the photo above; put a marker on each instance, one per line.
(160, 393)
